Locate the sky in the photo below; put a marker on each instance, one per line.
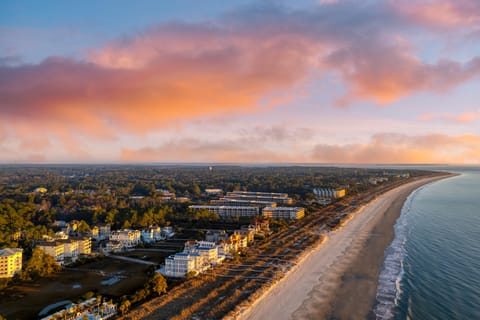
(311, 81)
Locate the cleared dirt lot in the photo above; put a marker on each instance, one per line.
(25, 301)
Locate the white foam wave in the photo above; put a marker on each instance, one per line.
(389, 291)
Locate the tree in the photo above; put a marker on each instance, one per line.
(83, 227)
(158, 284)
(40, 265)
(124, 306)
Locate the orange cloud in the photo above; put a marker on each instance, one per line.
(399, 148)
(182, 72)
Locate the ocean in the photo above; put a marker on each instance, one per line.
(432, 267)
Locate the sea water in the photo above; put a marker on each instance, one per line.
(432, 267)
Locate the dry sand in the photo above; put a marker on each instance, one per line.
(338, 279)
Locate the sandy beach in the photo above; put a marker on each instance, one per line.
(338, 279)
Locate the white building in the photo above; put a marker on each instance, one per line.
(84, 245)
(53, 248)
(70, 249)
(281, 198)
(229, 211)
(10, 262)
(167, 232)
(214, 192)
(178, 265)
(286, 213)
(329, 193)
(127, 237)
(148, 235)
(208, 250)
(104, 231)
(240, 202)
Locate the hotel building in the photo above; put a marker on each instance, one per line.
(229, 211)
(53, 248)
(10, 262)
(286, 213)
(281, 198)
(329, 193)
(178, 265)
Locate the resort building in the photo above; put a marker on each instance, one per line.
(10, 262)
(148, 235)
(286, 213)
(167, 232)
(216, 235)
(84, 245)
(240, 202)
(329, 193)
(281, 198)
(53, 248)
(129, 238)
(214, 192)
(178, 265)
(208, 250)
(70, 249)
(229, 211)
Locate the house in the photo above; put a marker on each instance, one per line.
(129, 238)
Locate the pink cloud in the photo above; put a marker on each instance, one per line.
(176, 73)
(441, 13)
(461, 118)
(400, 148)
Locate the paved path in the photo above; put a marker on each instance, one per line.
(132, 260)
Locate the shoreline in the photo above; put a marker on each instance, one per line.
(338, 278)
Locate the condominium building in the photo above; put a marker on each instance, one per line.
(53, 248)
(229, 211)
(214, 192)
(167, 232)
(84, 245)
(104, 231)
(10, 262)
(129, 238)
(329, 193)
(206, 249)
(281, 198)
(148, 235)
(178, 265)
(70, 249)
(216, 235)
(286, 213)
(241, 202)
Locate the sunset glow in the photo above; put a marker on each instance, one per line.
(308, 82)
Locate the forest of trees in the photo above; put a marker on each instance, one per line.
(130, 197)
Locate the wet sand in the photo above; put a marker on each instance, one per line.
(338, 279)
